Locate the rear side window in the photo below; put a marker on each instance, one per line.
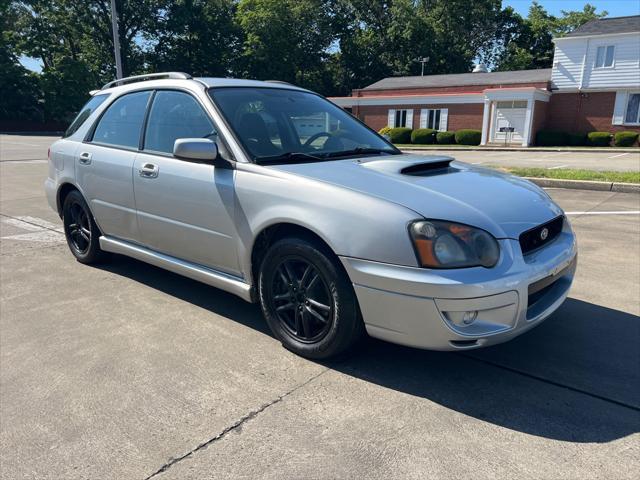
(175, 115)
(87, 110)
(121, 124)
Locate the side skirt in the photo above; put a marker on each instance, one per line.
(217, 279)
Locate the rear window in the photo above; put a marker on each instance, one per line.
(121, 123)
(85, 113)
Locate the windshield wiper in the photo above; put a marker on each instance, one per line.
(358, 151)
(293, 156)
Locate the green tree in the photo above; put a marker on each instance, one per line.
(381, 38)
(73, 40)
(527, 43)
(285, 40)
(19, 87)
(196, 36)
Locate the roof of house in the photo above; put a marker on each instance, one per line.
(463, 79)
(606, 26)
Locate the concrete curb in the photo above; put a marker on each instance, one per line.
(586, 185)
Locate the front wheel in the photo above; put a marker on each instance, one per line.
(308, 300)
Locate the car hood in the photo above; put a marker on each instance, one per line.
(438, 187)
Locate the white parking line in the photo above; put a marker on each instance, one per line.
(619, 155)
(619, 212)
(39, 230)
(556, 167)
(5, 142)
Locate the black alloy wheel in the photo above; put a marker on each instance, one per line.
(301, 299)
(308, 299)
(80, 229)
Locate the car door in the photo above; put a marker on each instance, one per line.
(104, 163)
(185, 208)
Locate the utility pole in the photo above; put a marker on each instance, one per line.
(422, 60)
(116, 39)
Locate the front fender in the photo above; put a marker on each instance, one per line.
(353, 224)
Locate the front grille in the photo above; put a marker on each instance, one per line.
(534, 239)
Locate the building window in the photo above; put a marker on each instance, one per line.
(604, 56)
(632, 114)
(401, 118)
(433, 119)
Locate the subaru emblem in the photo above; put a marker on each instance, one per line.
(544, 233)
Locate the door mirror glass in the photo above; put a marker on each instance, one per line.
(195, 149)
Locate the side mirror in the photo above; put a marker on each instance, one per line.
(201, 149)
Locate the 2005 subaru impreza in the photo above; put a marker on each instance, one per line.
(275, 194)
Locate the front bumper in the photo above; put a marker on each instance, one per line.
(426, 308)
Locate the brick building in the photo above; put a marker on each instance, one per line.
(594, 85)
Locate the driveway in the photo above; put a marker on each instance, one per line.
(128, 371)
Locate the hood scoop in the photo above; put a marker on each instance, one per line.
(430, 168)
(418, 166)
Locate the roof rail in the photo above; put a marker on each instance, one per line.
(280, 81)
(148, 76)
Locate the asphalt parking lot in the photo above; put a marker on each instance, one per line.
(127, 371)
(624, 161)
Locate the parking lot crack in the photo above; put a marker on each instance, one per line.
(234, 426)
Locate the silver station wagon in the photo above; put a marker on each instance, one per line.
(275, 194)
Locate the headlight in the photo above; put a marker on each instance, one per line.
(442, 244)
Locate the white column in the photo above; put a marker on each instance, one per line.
(528, 123)
(485, 121)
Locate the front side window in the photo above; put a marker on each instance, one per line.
(632, 114)
(285, 125)
(175, 115)
(121, 124)
(604, 56)
(87, 110)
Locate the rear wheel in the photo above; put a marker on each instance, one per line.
(80, 229)
(308, 300)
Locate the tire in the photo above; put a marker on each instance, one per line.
(308, 300)
(81, 230)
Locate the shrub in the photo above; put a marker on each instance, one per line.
(551, 138)
(468, 137)
(384, 130)
(422, 136)
(625, 139)
(598, 139)
(576, 139)
(400, 135)
(445, 138)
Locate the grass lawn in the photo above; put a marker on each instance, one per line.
(574, 174)
(436, 146)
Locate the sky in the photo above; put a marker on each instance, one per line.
(616, 8)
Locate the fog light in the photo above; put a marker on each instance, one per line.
(469, 317)
(462, 319)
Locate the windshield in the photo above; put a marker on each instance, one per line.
(287, 126)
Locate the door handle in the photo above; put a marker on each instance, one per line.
(85, 158)
(149, 170)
